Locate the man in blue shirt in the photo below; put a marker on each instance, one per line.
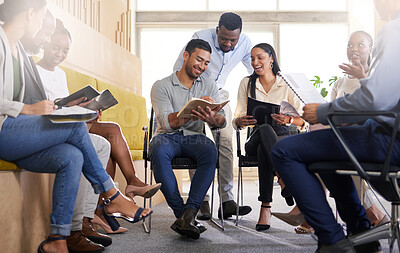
(229, 47)
(379, 92)
(177, 136)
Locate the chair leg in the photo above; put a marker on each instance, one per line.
(239, 192)
(146, 228)
(222, 225)
(388, 230)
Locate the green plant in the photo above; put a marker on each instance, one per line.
(319, 84)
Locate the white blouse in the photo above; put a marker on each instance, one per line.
(279, 92)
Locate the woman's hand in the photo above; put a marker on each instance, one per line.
(40, 108)
(80, 102)
(245, 120)
(95, 120)
(281, 119)
(355, 70)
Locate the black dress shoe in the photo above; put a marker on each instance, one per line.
(370, 247)
(200, 226)
(230, 209)
(185, 224)
(204, 212)
(342, 246)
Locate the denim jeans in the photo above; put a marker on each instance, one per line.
(291, 155)
(35, 144)
(164, 147)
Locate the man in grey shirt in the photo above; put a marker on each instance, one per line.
(379, 92)
(184, 136)
(229, 47)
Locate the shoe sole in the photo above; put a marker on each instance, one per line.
(150, 193)
(100, 240)
(186, 233)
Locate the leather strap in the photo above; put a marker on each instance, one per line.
(107, 201)
(265, 206)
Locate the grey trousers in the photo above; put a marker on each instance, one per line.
(225, 154)
(86, 199)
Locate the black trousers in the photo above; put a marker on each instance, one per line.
(260, 144)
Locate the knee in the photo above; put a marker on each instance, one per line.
(71, 160)
(208, 152)
(280, 149)
(112, 128)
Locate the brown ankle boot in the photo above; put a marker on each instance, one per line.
(78, 243)
(89, 232)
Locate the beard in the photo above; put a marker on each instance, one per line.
(189, 72)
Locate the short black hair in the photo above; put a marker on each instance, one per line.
(197, 43)
(230, 21)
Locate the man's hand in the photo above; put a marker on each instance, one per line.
(176, 122)
(209, 99)
(310, 113)
(355, 70)
(209, 116)
(245, 121)
(40, 108)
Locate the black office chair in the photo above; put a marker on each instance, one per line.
(243, 161)
(177, 163)
(383, 177)
(247, 161)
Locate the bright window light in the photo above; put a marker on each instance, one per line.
(313, 49)
(159, 49)
(171, 5)
(249, 5)
(308, 5)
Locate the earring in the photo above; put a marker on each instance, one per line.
(272, 65)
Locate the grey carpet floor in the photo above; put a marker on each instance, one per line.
(243, 238)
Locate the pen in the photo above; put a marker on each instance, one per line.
(203, 93)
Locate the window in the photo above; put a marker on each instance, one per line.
(308, 5)
(171, 5)
(249, 5)
(159, 49)
(313, 49)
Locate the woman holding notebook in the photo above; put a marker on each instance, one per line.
(266, 85)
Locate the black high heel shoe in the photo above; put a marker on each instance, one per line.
(262, 227)
(49, 239)
(111, 218)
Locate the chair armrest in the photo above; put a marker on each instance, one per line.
(353, 159)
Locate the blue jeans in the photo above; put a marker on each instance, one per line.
(164, 147)
(291, 155)
(35, 144)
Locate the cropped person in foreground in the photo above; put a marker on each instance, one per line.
(378, 92)
(41, 146)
